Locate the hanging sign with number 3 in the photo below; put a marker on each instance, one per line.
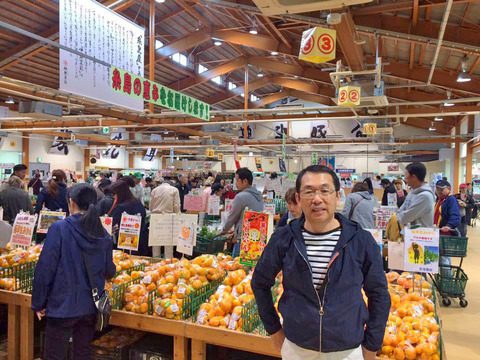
(318, 45)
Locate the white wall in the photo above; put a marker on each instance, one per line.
(39, 149)
(138, 163)
(121, 162)
(11, 149)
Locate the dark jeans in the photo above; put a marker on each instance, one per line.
(59, 331)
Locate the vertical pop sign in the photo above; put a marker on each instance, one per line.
(129, 233)
(23, 228)
(318, 45)
(421, 250)
(254, 237)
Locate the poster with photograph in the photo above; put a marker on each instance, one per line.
(23, 228)
(421, 250)
(255, 235)
(48, 218)
(186, 234)
(129, 232)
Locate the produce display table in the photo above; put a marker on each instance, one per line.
(20, 331)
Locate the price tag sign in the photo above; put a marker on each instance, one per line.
(47, 219)
(349, 95)
(318, 45)
(129, 233)
(22, 231)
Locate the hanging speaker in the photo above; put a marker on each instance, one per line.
(93, 160)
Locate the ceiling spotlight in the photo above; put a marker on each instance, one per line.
(217, 43)
(438, 118)
(274, 53)
(432, 127)
(250, 153)
(260, 75)
(9, 100)
(447, 102)
(253, 31)
(160, 1)
(464, 76)
(296, 76)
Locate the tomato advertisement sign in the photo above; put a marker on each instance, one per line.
(318, 45)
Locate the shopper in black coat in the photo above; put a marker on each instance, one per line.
(388, 188)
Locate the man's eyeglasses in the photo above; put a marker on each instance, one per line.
(310, 193)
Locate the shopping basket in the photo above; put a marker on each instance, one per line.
(453, 246)
(209, 245)
(450, 283)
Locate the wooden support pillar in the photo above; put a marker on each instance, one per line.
(26, 150)
(86, 163)
(469, 159)
(180, 348)
(26, 333)
(456, 163)
(151, 49)
(13, 346)
(131, 159)
(245, 103)
(199, 350)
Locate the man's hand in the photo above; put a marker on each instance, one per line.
(278, 338)
(368, 355)
(445, 229)
(40, 314)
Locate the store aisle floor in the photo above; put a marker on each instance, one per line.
(461, 325)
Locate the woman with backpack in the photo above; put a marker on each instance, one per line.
(359, 206)
(76, 258)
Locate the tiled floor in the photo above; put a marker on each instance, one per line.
(461, 326)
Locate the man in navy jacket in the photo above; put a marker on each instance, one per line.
(326, 261)
(447, 211)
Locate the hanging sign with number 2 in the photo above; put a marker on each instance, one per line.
(318, 45)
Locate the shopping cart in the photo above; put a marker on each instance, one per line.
(451, 280)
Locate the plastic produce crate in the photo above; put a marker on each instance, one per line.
(119, 293)
(18, 277)
(209, 245)
(115, 345)
(129, 271)
(152, 347)
(453, 246)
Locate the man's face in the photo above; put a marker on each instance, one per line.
(21, 173)
(241, 184)
(442, 192)
(318, 198)
(295, 209)
(409, 178)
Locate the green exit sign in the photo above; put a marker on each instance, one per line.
(106, 130)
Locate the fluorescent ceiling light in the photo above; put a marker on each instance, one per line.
(431, 128)
(274, 53)
(115, 3)
(160, 1)
(448, 104)
(253, 31)
(438, 118)
(260, 74)
(217, 43)
(9, 100)
(463, 77)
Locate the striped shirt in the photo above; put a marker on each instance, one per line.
(319, 251)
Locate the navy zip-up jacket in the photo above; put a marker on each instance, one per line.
(61, 283)
(450, 213)
(346, 322)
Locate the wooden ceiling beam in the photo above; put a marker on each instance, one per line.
(346, 35)
(89, 137)
(296, 84)
(185, 43)
(254, 85)
(208, 75)
(315, 98)
(411, 61)
(402, 6)
(190, 10)
(415, 13)
(267, 100)
(277, 32)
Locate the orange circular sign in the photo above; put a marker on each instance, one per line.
(308, 46)
(326, 44)
(353, 96)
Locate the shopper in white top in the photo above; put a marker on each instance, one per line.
(165, 199)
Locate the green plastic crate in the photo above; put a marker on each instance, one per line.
(280, 206)
(129, 271)
(23, 275)
(119, 293)
(209, 245)
(453, 246)
(196, 298)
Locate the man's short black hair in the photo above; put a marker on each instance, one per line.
(385, 182)
(19, 167)
(417, 169)
(318, 169)
(245, 173)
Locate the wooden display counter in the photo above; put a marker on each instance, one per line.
(20, 331)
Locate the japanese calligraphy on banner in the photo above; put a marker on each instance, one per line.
(47, 219)
(421, 250)
(318, 45)
(23, 228)
(92, 29)
(255, 235)
(129, 233)
(129, 84)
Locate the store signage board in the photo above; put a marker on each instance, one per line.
(392, 200)
(193, 203)
(47, 219)
(255, 235)
(349, 96)
(165, 229)
(186, 234)
(421, 251)
(395, 255)
(269, 208)
(129, 233)
(345, 171)
(318, 45)
(95, 30)
(107, 223)
(228, 205)
(214, 205)
(134, 86)
(23, 228)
